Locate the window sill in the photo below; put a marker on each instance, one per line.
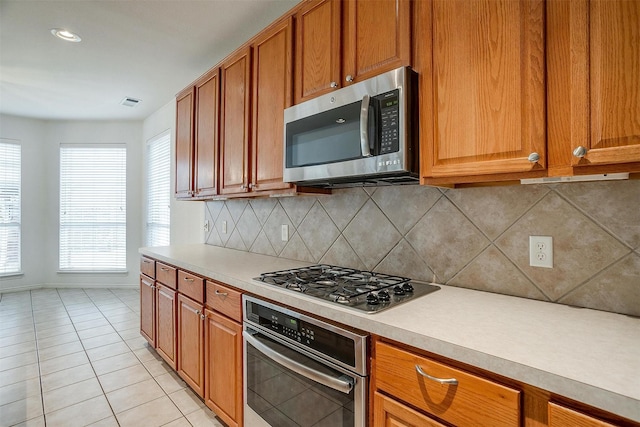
(122, 272)
(11, 275)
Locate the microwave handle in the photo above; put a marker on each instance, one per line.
(364, 127)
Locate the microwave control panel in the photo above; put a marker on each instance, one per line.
(389, 122)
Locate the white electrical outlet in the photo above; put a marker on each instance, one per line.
(541, 251)
(224, 227)
(285, 232)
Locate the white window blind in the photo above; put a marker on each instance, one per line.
(93, 212)
(158, 190)
(10, 183)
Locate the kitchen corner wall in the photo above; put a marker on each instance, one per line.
(475, 238)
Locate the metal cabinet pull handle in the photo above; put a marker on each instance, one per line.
(580, 151)
(533, 157)
(243, 187)
(164, 269)
(349, 78)
(222, 294)
(451, 381)
(333, 84)
(188, 279)
(146, 261)
(202, 316)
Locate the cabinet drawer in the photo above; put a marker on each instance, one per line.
(191, 286)
(225, 300)
(388, 412)
(166, 275)
(560, 416)
(472, 401)
(148, 267)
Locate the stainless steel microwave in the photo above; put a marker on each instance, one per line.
(363, 134)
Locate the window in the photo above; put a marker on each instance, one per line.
(158, 190)
(9, 207)
(93, 211)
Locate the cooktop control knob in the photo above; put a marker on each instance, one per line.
(372, 299)
(398, 290)
(383, 295)
(407, 287)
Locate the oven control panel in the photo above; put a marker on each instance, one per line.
(326, 339)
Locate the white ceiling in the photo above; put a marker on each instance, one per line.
(145, 49)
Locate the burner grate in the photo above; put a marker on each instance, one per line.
(336, 283)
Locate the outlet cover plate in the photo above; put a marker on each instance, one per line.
(541, 251)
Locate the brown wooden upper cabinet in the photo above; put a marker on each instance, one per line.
(235, 108)
(207, 92)
(342, 42)
(197, 116)
(482, 89)
(185, 102)
(272, 93)
(594, 86)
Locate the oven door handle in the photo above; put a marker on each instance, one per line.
(342, 384)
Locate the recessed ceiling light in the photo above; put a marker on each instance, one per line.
(66, 35)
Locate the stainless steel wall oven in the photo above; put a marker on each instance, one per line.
(301, 371)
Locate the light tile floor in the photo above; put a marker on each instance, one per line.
(75, 357)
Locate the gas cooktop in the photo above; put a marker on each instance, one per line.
(363, 290)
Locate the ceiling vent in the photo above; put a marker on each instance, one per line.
(129, 102)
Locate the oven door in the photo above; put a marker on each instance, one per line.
(286, 386)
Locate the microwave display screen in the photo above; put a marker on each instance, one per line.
(328, 137)
(390, 102)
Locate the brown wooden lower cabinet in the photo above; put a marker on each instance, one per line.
(444, 392)
(147, 309)
(166, 343)
(389, 413)
(223, 370)
(561, 416)
(191, 343)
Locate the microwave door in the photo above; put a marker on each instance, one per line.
(329, 137)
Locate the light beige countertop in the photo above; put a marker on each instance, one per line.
(586, 355)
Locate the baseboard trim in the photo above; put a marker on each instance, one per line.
(21, 288)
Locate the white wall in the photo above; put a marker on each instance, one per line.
(98, 132)
(31, 134)
(186, 216)
(40, 202)
(40, 142)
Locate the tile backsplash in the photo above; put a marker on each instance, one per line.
(474, 238)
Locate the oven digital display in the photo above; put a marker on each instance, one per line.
(309, 335)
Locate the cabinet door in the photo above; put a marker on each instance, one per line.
(166, 323)
(594, 84)
(223, 342)
(207, 92)
(147, 310)
(377, 38)
(234, 129)
(389, 413)
(191, 343)
(318, 49)
(184, 143)
(272, 93)
(482, 107)
(559, 416)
